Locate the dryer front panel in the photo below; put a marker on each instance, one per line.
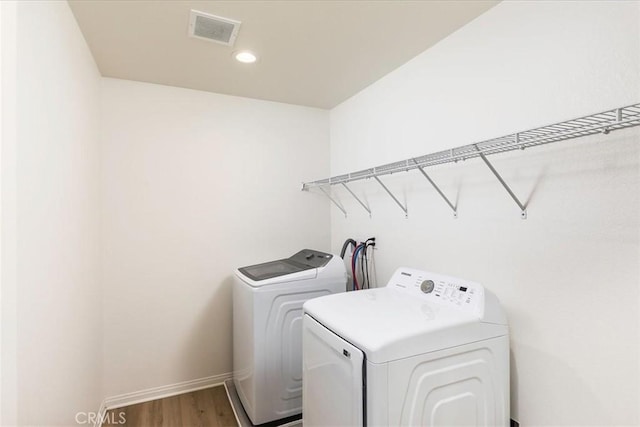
(463, 386)
(333, 378)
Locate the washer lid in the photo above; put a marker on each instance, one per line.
(300, 266)
(390, 323)
(271, 269)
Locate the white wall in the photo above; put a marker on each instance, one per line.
(568, 276)
(50, 222)
(8, 286)
(196, 184)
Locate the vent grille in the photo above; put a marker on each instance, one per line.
(213, 28)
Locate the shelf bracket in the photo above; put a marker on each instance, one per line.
(421, 169)
(523, 208)
(357, 198)
(326, 193)
(404, 209)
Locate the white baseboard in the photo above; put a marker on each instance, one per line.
(163, 391)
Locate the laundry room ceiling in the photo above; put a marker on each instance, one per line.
(313, 53)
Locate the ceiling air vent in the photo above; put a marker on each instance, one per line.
(213, 28)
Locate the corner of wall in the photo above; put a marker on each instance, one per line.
(8, 290)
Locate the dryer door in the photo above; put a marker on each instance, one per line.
(332, 378)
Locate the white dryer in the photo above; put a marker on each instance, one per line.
(267, 329)
(426, 350)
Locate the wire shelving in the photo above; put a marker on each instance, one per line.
(604, 122)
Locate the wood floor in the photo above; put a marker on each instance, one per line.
(203, 408)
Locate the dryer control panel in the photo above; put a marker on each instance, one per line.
(450, 291)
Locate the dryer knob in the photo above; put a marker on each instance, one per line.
(427, 286)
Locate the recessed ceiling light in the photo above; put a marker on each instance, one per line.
(245, 56)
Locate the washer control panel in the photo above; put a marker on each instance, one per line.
(446, 290)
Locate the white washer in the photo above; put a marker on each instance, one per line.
(426, 350)
(267, 329)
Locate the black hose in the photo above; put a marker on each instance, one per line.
(371, 241)
(345, 245)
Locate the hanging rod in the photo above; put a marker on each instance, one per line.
(605, 122)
